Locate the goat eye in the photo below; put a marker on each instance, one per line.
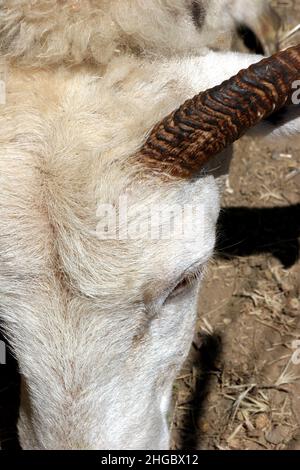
(180, 288)
(186, 284)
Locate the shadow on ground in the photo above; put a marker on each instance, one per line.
(245, 232)
(242, 232)
(204, 359)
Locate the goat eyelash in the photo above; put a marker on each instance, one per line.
(187, 281)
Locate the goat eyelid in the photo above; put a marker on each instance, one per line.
(187, 281)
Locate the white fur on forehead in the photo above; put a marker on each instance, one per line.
(51, 31)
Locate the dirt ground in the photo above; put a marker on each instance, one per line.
(240, 388)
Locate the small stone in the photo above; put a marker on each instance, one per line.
(205, 427)
(275, 155)
(235, 444)
(292, 307)
(269, 275)
(262, 422)
(291, 197)
(247, 271)
(294, 304)
(276, 435)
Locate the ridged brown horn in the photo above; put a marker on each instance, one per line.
(203, 126)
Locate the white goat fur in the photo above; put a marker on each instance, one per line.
(98, 344)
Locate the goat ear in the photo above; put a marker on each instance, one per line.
(202, 127)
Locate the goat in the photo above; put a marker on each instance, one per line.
(101, 326)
